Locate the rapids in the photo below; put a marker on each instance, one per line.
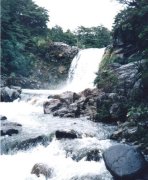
(16, 164)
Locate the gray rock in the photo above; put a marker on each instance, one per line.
(124, 162)
(44, 169)
(9, 128)
(9, 95)
(86, 154)
(51, 106)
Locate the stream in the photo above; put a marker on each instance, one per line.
(66, 157)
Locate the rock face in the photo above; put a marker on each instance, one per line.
(10, 94)
(124, 162)
(48, 74)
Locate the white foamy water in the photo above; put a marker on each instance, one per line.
(19, 164)
(16, 164)
(84, 68)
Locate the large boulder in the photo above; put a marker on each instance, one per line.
(124, 162)
(10, 94)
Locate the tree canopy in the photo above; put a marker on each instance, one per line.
(22, 21)
(94, 37)
(131, 25)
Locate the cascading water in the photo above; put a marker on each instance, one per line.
(60, 155)
(83, 69)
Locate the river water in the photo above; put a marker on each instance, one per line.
(67, 158)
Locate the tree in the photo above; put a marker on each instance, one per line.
(21, 20)
(131, 25)
(94, 37)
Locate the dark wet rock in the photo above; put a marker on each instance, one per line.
(124, 162)
(9, 128)
(66, 134)
(2, 118)
(93, 155)
(10, 94)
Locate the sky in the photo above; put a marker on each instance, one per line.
(70, 14)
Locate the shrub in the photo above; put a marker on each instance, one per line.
(138, 113)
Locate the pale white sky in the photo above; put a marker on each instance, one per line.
(69, 14)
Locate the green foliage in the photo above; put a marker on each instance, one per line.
(143, 75)
(131, 25)
(138, 113)
(21, 20)
(106, 79)
(57, 34)
(94, 37)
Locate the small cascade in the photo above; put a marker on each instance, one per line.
(83, 69)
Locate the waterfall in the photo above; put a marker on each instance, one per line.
(83, 69)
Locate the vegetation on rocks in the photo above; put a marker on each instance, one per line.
(124, 70)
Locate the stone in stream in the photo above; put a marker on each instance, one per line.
(10, 94)
(124, 162)
(9, 128)
(86, 154)
(51, 106)
(92, 177)
(66, 134)
(40, 168)
(2, 118)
